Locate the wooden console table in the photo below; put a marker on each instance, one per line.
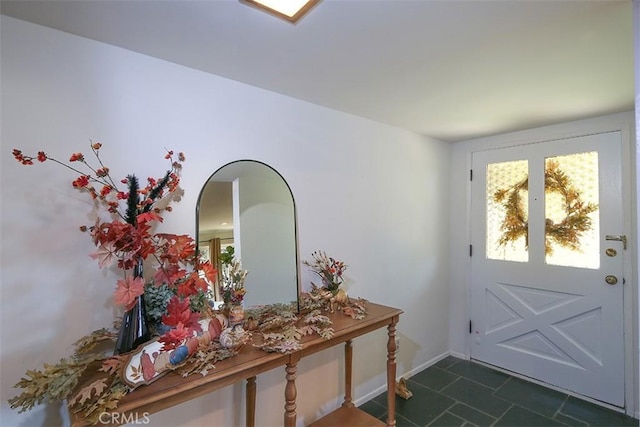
(172, 389)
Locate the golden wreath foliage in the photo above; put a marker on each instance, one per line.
(566, 233)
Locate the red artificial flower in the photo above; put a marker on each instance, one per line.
(124, 243)
(102, 172)
(175, 337)
(106, 254)
(25, 160)
(168, 273)
(179, 312)
(81, 181)
(106, 189)
(177, 247)
(192, 285)
(128, 290)
(210, 273)
(147, 217)
(76, 157)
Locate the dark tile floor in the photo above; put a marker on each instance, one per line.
(455, 392)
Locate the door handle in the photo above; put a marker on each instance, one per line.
(611, 280)
(618, 237)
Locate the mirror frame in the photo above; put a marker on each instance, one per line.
(295, 220)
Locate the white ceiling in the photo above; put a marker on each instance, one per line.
(450, 69)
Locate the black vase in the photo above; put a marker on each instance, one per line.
(134, 329)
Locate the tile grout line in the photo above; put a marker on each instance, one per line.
(559, 412)
(460, 377)
(476, 381)
(503, 414)
(455, 402)
(532, 410)
(502, 385)
(512, 405)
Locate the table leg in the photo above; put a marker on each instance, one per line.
(290, 391)
(391, 374)
(251, 402)
(348, 363)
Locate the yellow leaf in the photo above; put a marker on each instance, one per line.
(85, 393)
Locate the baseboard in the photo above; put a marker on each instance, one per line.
(367, 397)
(458, 355)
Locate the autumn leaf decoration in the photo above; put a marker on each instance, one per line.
(85, 344)
(183, 322)
(125, 234)
(177, 257)
(128, 290)
(96, 387)
(57, 382)
(52, 383)
(113, 364)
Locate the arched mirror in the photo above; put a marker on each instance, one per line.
(246, 210)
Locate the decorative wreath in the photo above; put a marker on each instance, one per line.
(566, 233)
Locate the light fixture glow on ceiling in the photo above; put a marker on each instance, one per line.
(291, 10)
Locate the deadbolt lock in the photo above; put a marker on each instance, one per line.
(611, 252)
(611, 280)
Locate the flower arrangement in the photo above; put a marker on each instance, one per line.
(178, 291)
(123, 234)
(232, 284)
(281, 326)
(328, 269)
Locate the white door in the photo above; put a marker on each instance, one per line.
(546, 279)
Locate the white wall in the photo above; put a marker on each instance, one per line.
(374, 196)
(460, 232)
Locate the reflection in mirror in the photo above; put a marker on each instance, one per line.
(246, 210)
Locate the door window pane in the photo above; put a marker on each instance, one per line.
(571, 210)
(508, 211)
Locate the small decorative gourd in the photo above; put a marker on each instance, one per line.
(233, 338)
(251, 324)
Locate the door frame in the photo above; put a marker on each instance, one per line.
(461, 211)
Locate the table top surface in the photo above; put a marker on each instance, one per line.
(172, 388)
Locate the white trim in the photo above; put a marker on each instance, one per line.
(461, 356)
(635, 338)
